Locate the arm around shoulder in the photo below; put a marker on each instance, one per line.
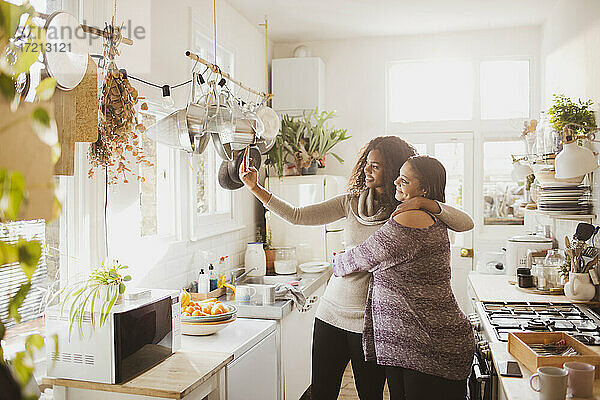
(414, 219)
(456, 219)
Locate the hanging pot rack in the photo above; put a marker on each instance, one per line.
(215, 69)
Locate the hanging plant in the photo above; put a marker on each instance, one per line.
(118, 141)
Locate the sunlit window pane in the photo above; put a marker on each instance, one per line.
(431, 91)
(501, 195)
(504, 89)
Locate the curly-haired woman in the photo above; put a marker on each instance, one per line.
(367, 205)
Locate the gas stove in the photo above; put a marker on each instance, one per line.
(581, 322)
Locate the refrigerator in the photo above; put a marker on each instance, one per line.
(312, 243)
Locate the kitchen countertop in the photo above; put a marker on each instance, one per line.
(518, 388)
(237, 338)
(309, 283)
(496, 288)
(174, 378)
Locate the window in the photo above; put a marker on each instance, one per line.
(210, 205)
(430, 91)
(504, 89)
(501, 195)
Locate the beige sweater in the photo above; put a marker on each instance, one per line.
(343, 303)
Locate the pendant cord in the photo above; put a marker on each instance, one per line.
(215, 26)
(106, 209)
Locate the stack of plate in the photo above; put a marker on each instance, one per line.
(207, 324)
(565, 199)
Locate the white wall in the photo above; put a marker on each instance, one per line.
(355, 74)
(571, 51)
(160, 58)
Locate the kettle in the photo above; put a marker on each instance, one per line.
(517, 249)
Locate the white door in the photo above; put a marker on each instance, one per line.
(455, 152)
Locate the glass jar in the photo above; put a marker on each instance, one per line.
(285, 260)
(552, 263)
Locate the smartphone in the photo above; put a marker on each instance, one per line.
(510, 368)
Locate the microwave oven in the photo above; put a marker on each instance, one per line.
(140, 332)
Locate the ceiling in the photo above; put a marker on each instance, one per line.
(310, 20)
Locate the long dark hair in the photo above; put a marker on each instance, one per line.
(432, 176)
(394, 152)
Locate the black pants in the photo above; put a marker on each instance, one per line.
(332, 349)
(407, 384)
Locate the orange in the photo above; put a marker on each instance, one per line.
(206, 308)
(196, 313)
(218, 308)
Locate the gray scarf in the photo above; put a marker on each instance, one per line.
(364, 209)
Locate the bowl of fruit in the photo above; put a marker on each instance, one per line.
(204, 317)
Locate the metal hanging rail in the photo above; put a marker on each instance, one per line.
(215, 69)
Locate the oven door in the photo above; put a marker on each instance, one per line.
(143, 338)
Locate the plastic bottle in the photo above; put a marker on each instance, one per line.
(212, 276)
(203, 282)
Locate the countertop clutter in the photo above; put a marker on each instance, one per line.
(495, 288)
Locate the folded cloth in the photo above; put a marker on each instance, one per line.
(285, 291)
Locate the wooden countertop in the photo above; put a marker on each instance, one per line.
(496, 288)
(173, 378)
(518, 388)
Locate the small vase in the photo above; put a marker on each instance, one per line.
(579, 287)
(312, 170)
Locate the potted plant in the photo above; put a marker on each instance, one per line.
(566, 111)
(304, 142)
(99, 292)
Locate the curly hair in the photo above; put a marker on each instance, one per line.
(394, 152)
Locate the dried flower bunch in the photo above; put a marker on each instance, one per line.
(119, 129)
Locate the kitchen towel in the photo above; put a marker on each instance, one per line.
(285, 291)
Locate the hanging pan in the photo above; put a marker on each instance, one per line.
(66, 50)
(179, 130)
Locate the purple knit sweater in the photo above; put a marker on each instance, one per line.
(412, 319)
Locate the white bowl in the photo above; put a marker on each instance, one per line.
(204, 329)
(546, 178)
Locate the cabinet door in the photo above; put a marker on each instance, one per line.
(296, 349)
(255, 376)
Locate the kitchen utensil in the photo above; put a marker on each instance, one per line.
(180, 130)
(591, 251)
(286, 261)
(314, 267)
(243, 293)
(224, 178)
(65, 51)
(271, 121)
(590, 264)
(552, 383)
(517, 249)
(264, 145)
(255, 258)
(205, 328)
(567, 242)
(253, 159)
(584, 231)
(580, 381)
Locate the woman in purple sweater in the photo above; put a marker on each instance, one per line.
(413, 325)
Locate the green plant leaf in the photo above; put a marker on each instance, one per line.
(41, 116)
(17, 301)
(126, 278)
(121, 288)
(23, 368)
(12, 194)
(8, 253)
(2, 332)
(7, 87)
(34, 343)
(45, 89)
(10, 16)
(29, 255)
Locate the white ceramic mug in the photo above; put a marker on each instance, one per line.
(243, 293)
(581, 379)
(552, 383)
